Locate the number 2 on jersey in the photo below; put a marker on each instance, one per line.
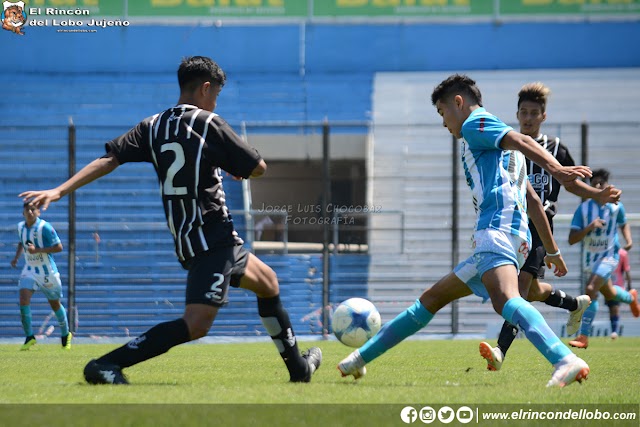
(175, 167)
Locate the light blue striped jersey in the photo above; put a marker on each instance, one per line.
(42, 235)
(497, 177)
(601, 242)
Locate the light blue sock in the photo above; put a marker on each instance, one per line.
(405, 324)
(25, 317)
(622, 295)
(587, 318)
(61, 315)
(519, 312)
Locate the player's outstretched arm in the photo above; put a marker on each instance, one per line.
(609, 194)
(533, 151)
(539, 218)
(94, 170)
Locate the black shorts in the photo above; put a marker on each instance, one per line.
(612, 303)
(212, 272)
(534, 264)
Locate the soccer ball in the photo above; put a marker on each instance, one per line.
(354, 321)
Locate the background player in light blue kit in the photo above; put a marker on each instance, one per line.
(494, 166)
(597, 225)
(621, 274)
(38, 241)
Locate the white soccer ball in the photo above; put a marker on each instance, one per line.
(354, 321)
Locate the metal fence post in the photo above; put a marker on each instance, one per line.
(454, 227)
(71, 302)
(326, 232)
(584, 159)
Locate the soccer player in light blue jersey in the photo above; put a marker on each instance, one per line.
(493, 158)
(597, 226)
(38, 241)
(531, 114)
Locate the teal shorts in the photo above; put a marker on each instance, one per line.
(493, 248)
(49, 284)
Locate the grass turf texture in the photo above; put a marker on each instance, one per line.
(414, 372)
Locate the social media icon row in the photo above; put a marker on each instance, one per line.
(445, 414)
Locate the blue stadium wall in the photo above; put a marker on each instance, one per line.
(132, 75)
(266, 49)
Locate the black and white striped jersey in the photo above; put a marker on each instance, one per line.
(188, 146)
(542, 182)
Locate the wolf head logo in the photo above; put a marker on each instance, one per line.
(13, 17)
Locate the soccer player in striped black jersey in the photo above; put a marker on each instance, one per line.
(597, 226)
(494, 166)
(188, 145)
(532, 105)
(39, 241)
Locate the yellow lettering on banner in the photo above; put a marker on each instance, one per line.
(425, 2)
(200, 3)
(571, 1)
(394, 3)
(385, 3)
(62, 3)
(209, 3)
(536, 2)
(249, 3)
(56, 3)
(351, 3)
(165, 3)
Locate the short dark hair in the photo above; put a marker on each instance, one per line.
(601, 173)
(195, 70)
(456, 84)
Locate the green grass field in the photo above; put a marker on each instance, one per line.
(219, 375)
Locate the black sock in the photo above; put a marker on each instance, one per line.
(507, 335)
(562, 300)
(276, 321)
(154, 342)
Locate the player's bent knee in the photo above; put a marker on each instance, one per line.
(534, 294)
(267, 285)
(198, 328)
(199, 319)
(271, 282)
(498, 305)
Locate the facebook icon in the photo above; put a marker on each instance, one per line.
(408, 414)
